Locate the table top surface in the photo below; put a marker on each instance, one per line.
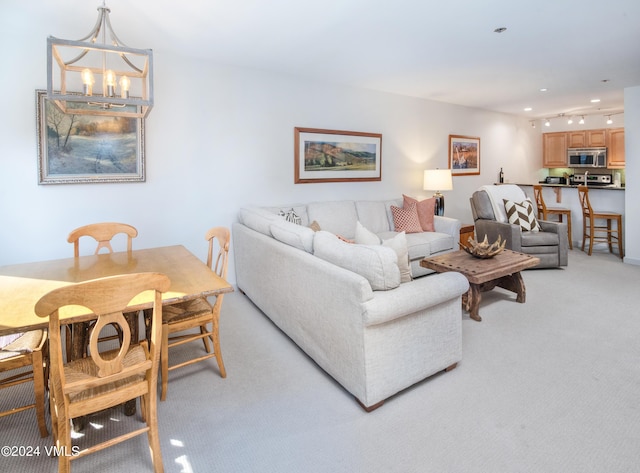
(479, 270)
(22, 285)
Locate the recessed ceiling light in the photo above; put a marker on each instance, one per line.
(595, 100)
(544, 89)
(528, 109)
(502, 29)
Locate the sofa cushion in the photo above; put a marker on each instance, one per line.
(292, 234)
(521, 213)
(398, 242)
(377, 264)
(373, 215)
(406, 219)
(426, 211)
(258, 219)
(338, 217)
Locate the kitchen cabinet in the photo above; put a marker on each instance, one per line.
(577, 139)
(554, 150)
(596, 138)
(615, 153)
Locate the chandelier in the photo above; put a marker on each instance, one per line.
(124, 75)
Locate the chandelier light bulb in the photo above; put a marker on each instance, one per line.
(87, 82)
(125, 84)
(110, 80)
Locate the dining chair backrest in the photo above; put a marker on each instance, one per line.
(88, 385)
(583, 194)
(221, 263)
(537, 194)
(103, 233)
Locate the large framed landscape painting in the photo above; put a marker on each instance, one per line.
(464, 155)
(337, 156)
(74, 148)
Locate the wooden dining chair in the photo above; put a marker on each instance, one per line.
(104, 379)
(544, 211)
(22, 350)
(103, 234)
(591, 229)
(196, 314)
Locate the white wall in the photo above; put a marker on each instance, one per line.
(221, 137)
(632, 170)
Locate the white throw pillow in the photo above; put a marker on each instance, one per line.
(366, 237)
(398, 243)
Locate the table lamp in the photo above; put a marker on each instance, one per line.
(438, 180)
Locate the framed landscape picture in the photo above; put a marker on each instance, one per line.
(464, 155)
(336, 156)
(79, 148)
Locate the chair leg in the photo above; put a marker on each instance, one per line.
(164, 360)
(619, 226)
(205, 340)
(152, 434)
(609, 235)
(216, 345)
(38, 388)
(569, 231)
(591, 234)
(63, 442)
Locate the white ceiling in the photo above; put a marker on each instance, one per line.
(439, 50)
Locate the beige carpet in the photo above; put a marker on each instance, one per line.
(552, 385)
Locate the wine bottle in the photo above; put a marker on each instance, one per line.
(501, 176)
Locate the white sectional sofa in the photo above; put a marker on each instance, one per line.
(343, 304)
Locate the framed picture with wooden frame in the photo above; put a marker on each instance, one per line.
(336, 156)
(464, 155)
(86, 148)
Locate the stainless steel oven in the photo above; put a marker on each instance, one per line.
(587, 157)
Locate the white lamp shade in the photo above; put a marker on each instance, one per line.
(438, 180)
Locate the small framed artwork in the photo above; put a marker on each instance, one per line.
(464, 155)
(336, 156)
(86, 148)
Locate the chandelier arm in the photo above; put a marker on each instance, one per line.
(114, 39)
(93, 35)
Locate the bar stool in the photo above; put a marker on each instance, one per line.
(544, 211)
(588, 214)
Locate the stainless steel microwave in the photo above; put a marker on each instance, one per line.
(587, 157)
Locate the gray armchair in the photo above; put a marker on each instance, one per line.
(551, 244)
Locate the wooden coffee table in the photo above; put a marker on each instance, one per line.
(502, 270)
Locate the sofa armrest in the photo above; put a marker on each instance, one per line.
(447, 225)
(507, 231)
(414, 296)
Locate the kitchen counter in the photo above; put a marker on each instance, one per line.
(575, 186)
(601, 198)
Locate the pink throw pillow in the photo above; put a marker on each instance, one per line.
(426, 211)
(406, 219)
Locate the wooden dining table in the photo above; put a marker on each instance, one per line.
(22, 285)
